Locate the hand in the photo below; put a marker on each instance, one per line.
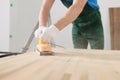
(39, 31)
(49, 33)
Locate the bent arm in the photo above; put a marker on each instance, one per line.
(71, 14)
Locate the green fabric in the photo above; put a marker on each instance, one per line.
(87, 28)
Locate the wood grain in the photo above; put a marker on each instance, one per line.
(115, 28)
(69, 64)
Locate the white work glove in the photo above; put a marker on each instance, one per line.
(39, 31)
(49, 33)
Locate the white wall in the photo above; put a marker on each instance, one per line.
(4, 25)
(104, 7)
(23, 18)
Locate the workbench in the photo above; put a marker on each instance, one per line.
(65, 64)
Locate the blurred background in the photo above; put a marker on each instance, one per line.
(19, 17)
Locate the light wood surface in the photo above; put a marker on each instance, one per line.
(65, 64)
(115, 27)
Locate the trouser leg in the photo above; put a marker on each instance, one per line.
(91, 30)
(78, 40)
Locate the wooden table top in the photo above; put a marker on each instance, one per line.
(70, 64)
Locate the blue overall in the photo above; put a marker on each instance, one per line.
(87, 28)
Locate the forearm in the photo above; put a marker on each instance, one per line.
(44, 12)
(71, 14)
(43, 17)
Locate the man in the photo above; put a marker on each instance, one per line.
(86, 20)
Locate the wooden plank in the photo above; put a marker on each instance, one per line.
(115, 28)
(69, 64)
(93, 54)
(24, 71)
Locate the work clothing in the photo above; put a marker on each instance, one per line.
(87, 28)
(92, 3)
(49, 34)
(39, 31)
